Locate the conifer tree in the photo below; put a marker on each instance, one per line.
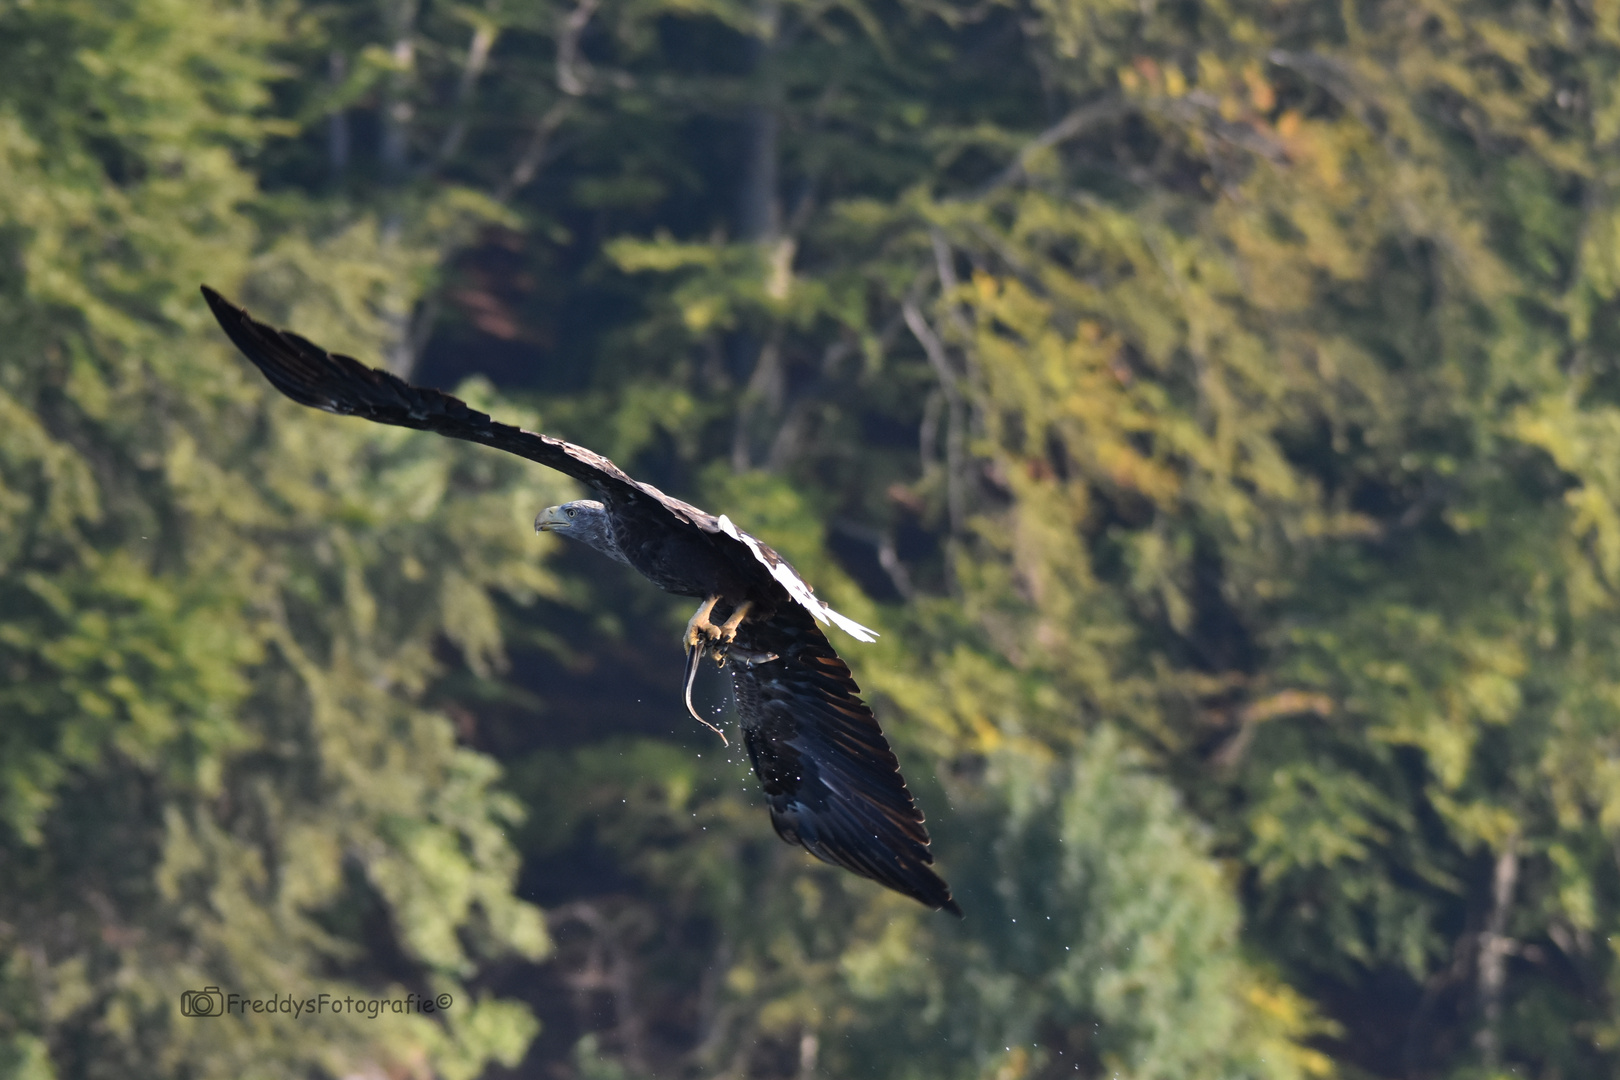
(218, 617)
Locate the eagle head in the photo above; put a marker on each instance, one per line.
(585, 520)
(562, 518)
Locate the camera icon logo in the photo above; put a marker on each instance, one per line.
(205, 1002)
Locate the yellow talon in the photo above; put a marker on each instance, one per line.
(699, 623)
(728, 632)
(701, 630)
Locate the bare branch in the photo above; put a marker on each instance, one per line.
(483, 41)
(1079, 120)
(882, 542)
(933, 347)
(572, 75)
(572, 70)
(534, 153)
(955, 442)
(1196, 109)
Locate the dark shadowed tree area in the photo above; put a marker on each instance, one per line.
(1215, 404)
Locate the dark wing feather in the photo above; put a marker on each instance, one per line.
(832, 783)
(310, 375)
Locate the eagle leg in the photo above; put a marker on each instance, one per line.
(728, 631)
(699, 628)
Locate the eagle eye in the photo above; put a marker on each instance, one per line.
(570, 511)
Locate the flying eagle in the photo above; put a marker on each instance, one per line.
(830, 779)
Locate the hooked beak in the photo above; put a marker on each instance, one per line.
(552, 517)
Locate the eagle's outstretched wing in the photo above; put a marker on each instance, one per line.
(832, 783)
(335, 383)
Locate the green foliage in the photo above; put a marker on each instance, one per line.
(218, 617)
(1101, 936)
(1261, 416)
(1211, 403)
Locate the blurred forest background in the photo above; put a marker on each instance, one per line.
(1215, 404)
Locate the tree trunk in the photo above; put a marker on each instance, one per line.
(394, 149)
(759, 221)
(1494, 947)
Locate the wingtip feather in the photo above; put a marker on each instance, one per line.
(850, 626)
